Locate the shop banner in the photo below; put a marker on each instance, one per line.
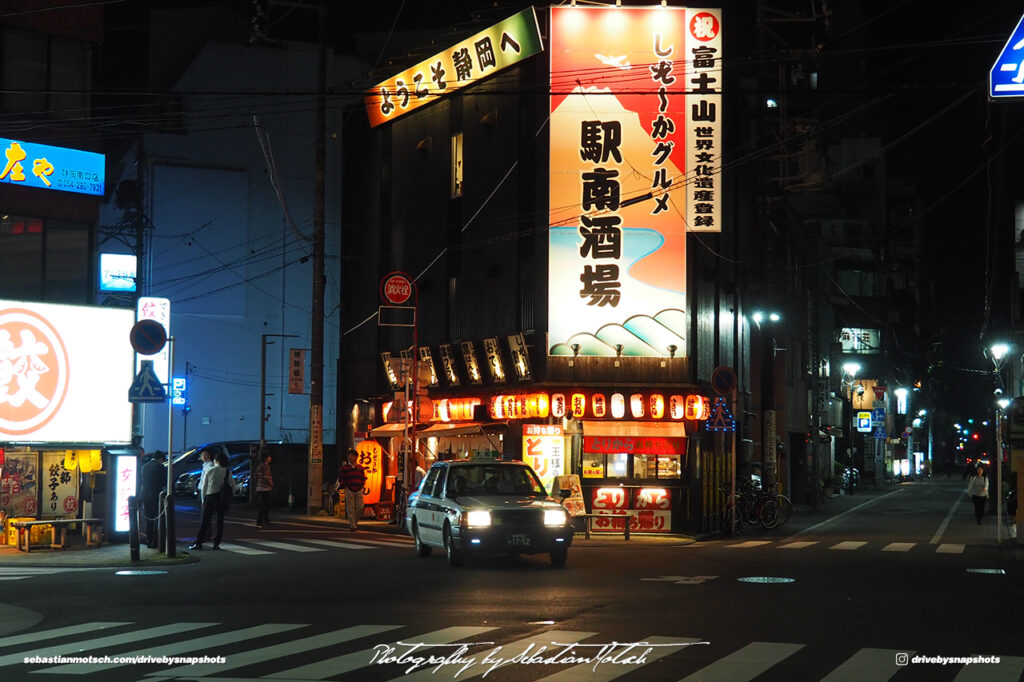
(19, 487)
(544, 451)
(641, 445)
(60, 487)
(646, 510)
(635, 158)
(64, 373)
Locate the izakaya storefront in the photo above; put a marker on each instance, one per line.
(636, 473)
(625, 455)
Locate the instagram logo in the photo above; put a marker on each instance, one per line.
(902, 659)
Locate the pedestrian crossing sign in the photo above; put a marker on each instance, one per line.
(146, 388)
(1006, 77)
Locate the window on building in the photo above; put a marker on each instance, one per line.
(457, 167)
(45, 75)
(44, 260)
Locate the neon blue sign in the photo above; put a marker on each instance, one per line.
(178, 391)
(55, 168)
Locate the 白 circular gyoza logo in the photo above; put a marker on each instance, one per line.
(33, 371)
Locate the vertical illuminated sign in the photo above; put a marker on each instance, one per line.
(159, 309)
(625, 151)
(544, 451)
(126, 471)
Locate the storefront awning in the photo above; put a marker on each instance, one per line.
(389, 430)
(461, 429)
(642, 429)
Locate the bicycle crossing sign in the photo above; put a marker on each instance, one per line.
(1006, 77)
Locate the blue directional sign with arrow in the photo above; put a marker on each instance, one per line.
(1006, 78)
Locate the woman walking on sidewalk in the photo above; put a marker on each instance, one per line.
(977, 488)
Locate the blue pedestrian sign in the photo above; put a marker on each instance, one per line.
(1006, 78)
(146, 388)
(880, 433)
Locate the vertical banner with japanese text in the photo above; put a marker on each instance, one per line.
(632, 94)
(297, 371)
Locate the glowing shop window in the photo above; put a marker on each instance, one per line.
(618, 465)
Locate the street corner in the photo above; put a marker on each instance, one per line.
(15, 619)
(105, 556)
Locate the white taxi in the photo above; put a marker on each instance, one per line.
(487, 507)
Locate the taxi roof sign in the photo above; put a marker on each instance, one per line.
(1006, 77)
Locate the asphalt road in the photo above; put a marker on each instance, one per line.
(838, 594)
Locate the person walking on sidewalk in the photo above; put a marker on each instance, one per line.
(217, 484)
(264, 484)
(977, 488)
(352, 478)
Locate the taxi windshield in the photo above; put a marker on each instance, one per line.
(488, 479)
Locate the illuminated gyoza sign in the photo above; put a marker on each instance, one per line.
(506, 43)
(45, 167)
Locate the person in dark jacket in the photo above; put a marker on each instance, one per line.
(154, 480)
(352, 478)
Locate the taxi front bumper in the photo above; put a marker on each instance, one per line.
(512, 540)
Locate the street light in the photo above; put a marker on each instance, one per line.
(850, 370)
(998, 352)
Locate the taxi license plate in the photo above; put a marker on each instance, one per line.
(519, 541)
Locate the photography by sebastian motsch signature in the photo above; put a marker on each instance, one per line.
(412, 655)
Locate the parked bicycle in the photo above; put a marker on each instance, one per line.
(751, 508)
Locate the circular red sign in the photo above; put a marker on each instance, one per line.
(70, 504)
(396, 289)
(148, 337)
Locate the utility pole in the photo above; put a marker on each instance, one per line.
(314, 497)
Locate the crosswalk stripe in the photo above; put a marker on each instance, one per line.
(59, 632)
(269, 653)
(346, 663)
(749, 543)
(14, 577)
(281, 545)
(1009, 669)
(333, 543)
(746, 663)
(497, 653)
(867, 665)
(898, 547)
(949, 548)
(239, 549)
(384, 543)
(587, 672)
(848, 545)
(206, 642)
(100, 642)
(797, 545)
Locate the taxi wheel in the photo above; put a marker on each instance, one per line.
(558, 556)
(454, 555)
(421, 548)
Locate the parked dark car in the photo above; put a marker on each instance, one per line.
(192, 459)
(187, 484)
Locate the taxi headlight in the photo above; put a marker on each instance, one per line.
(480, 518)
(555, 517)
